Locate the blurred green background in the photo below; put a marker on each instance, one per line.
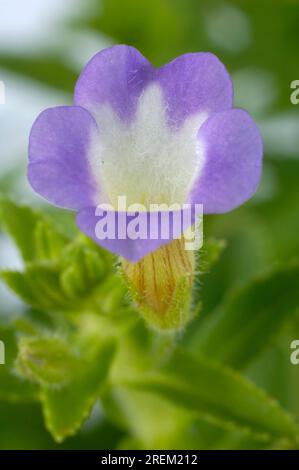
(43, 46)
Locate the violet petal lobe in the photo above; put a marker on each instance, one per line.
(116, 77)
(195, 83)
(58, 157)
(158, 229)
(233, 151)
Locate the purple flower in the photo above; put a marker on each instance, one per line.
(168, 135)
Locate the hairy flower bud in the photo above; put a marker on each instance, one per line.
(161, 284)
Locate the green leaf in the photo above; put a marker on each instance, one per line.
(38, 286)
(36, 237)
(59, 273)
(206, 257)
(250, 318)
(89, 281)
(12, 388)
(46, 360)
(136, 412)
(218, 394)
(65, 408)
(145, 24)
(81, 278)
(20, 222)
(83, 269)
(49, 242)
(50, 69)
(209, 254)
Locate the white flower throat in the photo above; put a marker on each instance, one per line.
(147, 161)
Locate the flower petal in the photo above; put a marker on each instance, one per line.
(195, 83)
(233, 152)
(116, 77)
(155, 229)
(58, 157)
